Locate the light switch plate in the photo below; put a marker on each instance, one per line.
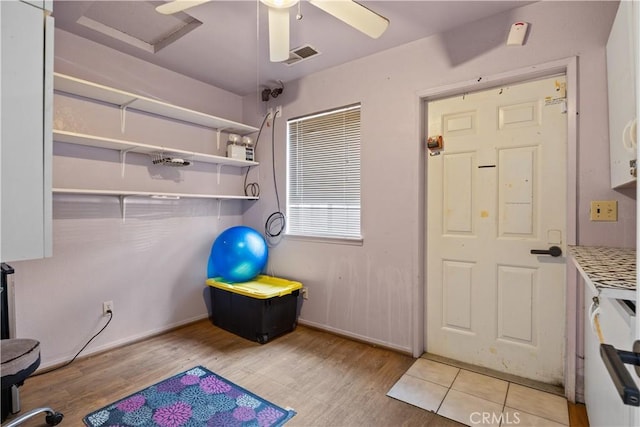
(604, 210)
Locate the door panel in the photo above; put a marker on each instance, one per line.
(496, 191)
(516, 178)
(458, 192)
(520, 115)
(457, 294)
(516, 299)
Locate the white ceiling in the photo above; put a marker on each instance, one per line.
(230, 49)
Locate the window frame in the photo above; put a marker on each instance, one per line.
(328, 237)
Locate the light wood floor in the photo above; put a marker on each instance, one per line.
(328, 380)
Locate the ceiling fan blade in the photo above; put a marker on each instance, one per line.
(278, 34)
(356, 15)
(178, 6)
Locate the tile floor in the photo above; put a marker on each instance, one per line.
(475, 399)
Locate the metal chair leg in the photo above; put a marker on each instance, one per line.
(53, 418)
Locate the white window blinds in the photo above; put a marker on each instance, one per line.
(323, 174)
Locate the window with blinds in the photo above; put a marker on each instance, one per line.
(323, 174)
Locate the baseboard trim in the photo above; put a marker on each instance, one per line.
(356, 337)
(50, 366)
(46, 367)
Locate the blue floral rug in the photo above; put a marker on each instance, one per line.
(195, 398)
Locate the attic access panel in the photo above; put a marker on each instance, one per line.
(137, 23)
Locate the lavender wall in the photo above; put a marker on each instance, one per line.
(367, 291)
(152, 264)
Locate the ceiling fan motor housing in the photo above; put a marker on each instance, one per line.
(280, 4)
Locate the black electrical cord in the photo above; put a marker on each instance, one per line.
(253, 189)
(276, 222)
(78, 353)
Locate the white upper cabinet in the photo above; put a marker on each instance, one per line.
(26, 136)
(622, 51)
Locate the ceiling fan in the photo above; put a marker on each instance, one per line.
(348, 11)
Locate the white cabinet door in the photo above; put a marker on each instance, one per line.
(26, 132)
(617, 322)
(42, 4)
(621, 79)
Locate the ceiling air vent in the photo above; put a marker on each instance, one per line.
(300, 54)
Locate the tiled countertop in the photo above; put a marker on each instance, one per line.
(611, 271)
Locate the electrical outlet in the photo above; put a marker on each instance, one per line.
(106, 307)
(604, 210)
(270, 111)
(279, 111)
(305, 293)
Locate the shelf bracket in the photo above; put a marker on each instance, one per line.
(123, 159)
(219, 208)
(123, 113)
(219, 137)
(123, 207)
(219, 170)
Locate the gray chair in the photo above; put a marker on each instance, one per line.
(20, 358)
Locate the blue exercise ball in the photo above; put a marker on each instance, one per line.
(238, 255)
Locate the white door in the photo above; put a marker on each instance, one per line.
(495, 192)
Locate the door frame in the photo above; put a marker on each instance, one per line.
(568, 66)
